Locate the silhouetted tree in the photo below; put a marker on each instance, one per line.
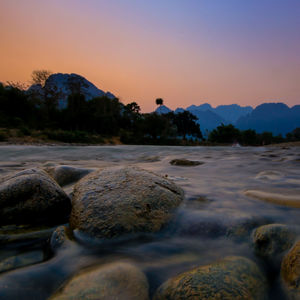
(186, 124)
(40, 76)
(159, 101)
(224, 134)
(294, 135)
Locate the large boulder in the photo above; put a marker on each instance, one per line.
(65, 175)
(32, 197)
(113, 281)
(231, 278)
(271, 241)
(290, 272)
(121, 200)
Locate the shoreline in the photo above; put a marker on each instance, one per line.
(116, 142)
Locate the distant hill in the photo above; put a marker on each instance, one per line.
(63, 85)
(231, 113)
(209, 117)
(162, 109)
(277, 118)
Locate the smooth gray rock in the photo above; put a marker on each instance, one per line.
(65, 175)
(32, 197)
(271, 241)
(232, 278)
(112, 281)
(290, 272)
(122, 200)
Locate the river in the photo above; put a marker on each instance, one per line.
(226, 195)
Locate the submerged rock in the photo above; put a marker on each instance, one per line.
(65, 175)
(231, 278)
(113, 281)
(21, 260)
(122, 200)
(290, 272)
(271, 241)
(32, 197)
(276, 198)
(241, 229)
(185, 162)
(60, 239)
(21, 235)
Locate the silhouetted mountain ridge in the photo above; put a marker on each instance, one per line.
(277, 118)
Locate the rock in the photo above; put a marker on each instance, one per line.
(185, 162)
(290, 200)
(113, 281)
(290, 272)
(271, 241)
(21, 260)
(65, 175)
(230, 278)
(21, 235)
(121, 200)
(32, 197)
(61, 238)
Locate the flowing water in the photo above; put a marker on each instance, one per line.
(225, 198)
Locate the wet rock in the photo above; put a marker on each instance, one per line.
(113, 281)
(185, 162)
(61, 238)
(21, 260)
(290, 200)
(32, 197)
(269, 175)
(65, 175)
(23, 235)
(40, 281)
(122, 200)
(290, 272)
(271, 241)
(230, 278)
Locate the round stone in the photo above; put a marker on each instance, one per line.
(123, 200)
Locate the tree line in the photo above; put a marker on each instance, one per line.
(100, 116)
(88, 121)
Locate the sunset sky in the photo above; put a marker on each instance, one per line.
(184, 51)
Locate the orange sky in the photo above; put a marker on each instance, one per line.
(184, 53)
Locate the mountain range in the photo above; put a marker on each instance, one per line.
(277, 118)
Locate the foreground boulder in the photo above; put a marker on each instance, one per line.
(122, 200)
(65, 175)
(271, 241)
(113, 281)
(32, 197)
(290, 272)
(231, 278)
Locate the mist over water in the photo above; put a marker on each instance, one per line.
(225, 198)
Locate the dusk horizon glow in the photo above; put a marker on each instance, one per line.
(191, 52)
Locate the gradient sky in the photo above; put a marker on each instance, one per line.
(184, 51)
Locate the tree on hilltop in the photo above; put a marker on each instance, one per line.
(40, 76)
(159, 101)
